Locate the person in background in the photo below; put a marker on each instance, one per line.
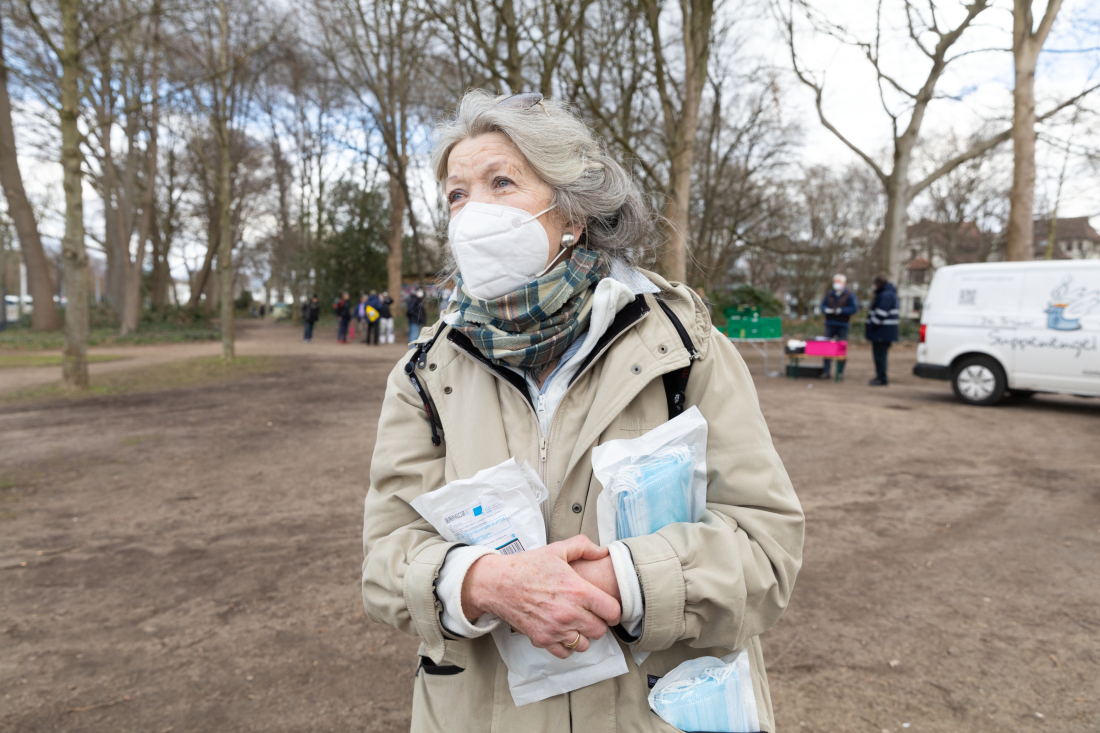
(414, 307)
(361, 321)
(838, 305)
(374, 302)
(311, 313)
(342, 308)
(882, 325)
(385, 318)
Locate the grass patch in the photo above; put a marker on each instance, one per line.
(147, 333)
(171, 375)
(18, 361)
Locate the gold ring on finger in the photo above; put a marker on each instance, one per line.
(573, 646)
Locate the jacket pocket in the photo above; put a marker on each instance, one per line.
(431, 668)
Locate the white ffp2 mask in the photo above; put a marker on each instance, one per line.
(498, 249)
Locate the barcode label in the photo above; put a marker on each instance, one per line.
(511, 548)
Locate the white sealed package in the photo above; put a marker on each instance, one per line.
(653, 480)
(499, 508)
(708, 694)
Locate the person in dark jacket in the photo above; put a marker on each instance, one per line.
(838, 305)
(311, 313)
(343, 313)
(882, 325)
(385, 318)
(414, 307)
(372, 326)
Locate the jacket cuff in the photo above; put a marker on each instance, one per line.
(630, 589)
(420, 599)
(449, 590)
(662, 578)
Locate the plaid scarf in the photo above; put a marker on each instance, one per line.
(532, 326)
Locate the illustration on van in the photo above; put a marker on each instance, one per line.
(1069, 304)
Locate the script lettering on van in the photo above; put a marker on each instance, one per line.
(1056, 343)
(1006, 322)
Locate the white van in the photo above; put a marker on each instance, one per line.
(1013, 327)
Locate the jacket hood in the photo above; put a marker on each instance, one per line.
(689, 307)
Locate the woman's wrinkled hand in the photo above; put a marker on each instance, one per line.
(540, 595)
(600, 573)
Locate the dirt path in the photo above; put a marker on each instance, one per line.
(254, 337)
(192, 558)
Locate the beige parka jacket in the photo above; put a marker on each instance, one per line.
(709, 587)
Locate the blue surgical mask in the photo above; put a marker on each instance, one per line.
(654, 493)
(708, 694)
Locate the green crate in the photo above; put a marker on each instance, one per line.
(741, 311)
(754, 328)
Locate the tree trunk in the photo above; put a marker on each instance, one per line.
(225, 191)
(225, 251)
(514, 61)
(198, 286)
(680, 132)
(894, 223)
(1026, 45)
(131, 312)
(161, 272)
(118, 255)
(397, 221)
(1021, 225)
(675, 225)
(40, 284)
(74, 258)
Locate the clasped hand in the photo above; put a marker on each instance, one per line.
(550, 594)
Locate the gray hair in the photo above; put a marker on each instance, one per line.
(589, 186)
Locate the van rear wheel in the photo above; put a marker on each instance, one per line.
(979, 380)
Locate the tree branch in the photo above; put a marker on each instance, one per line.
(818, 93)
(988, 144)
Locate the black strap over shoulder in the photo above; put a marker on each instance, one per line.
(676, 382)
(419, 359)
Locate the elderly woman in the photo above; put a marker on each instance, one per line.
(555, 344)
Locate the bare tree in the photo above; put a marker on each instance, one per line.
(74, 259)
(1027, 43)
(938, 45)
(644, 93)
(221, 43)
(39, 282)
(680, 119)
(131, 312)
(507, 45)
(743, 150)
(376, 48)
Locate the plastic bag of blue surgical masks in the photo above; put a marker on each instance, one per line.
(708, 694)
(499, 508)
(654, 480)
